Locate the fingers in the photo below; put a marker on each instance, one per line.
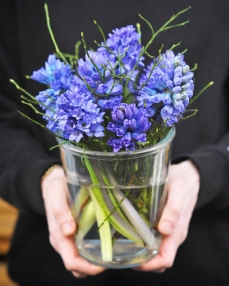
(60, 221)
(172, 209)
(62, 225)
(58, 207)
(74, 262)
(165, 258)
(183, 187)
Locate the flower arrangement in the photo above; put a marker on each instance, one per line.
(111, 102)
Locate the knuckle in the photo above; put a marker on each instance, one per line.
(62, 215)
(58, 214)
(175, 212)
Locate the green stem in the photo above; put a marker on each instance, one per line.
(112, 216)
(136, 220)
(105, 231)
(132, 215)
(80, 199)
(85, 221)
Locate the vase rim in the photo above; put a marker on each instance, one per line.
(160, 145)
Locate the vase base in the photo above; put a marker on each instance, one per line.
(126, 254)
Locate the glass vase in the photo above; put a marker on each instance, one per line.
(117, 200)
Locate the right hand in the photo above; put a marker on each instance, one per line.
(61, 224)
(183, 188)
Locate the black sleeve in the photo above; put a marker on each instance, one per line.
(213, 165)
(24, 156)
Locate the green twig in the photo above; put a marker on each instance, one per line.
(139, 32)
(86, 51)
(21, 89)
(190, 110)
(164, 27)
(77, 47)
(202, 90)
(195, 67)
(52, 35)
(101, 31)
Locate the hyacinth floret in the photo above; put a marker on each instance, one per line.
(124, 44)
(47, 101)
(77, 115)
(56, 74)
(96, 73)
(109, 104)
(169, 83)
(129, 125)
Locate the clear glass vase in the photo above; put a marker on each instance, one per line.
(117, 200)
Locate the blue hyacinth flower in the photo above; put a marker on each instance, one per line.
(77, 115)
(129, 126)
(169, 87)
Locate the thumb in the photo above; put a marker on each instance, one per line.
(61, 210)
(171, 212)
(68, 227)
(55, 194)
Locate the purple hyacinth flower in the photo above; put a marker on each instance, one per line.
(124, 44)
(95, 72)
(108, 104)
(129, 125)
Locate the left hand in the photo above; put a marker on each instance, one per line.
(62, 225)
(183, 187)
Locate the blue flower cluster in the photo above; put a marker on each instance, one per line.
(124, 44)
(96, 73)
(77, 115)
(100, 96)
(130, 125)
(169, 83)
(58, 76)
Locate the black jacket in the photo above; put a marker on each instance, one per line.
(203, 259)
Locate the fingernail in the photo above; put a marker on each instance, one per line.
(66, 228)
(166, 227)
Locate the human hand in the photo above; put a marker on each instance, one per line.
(183, 187)
(62, 225)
